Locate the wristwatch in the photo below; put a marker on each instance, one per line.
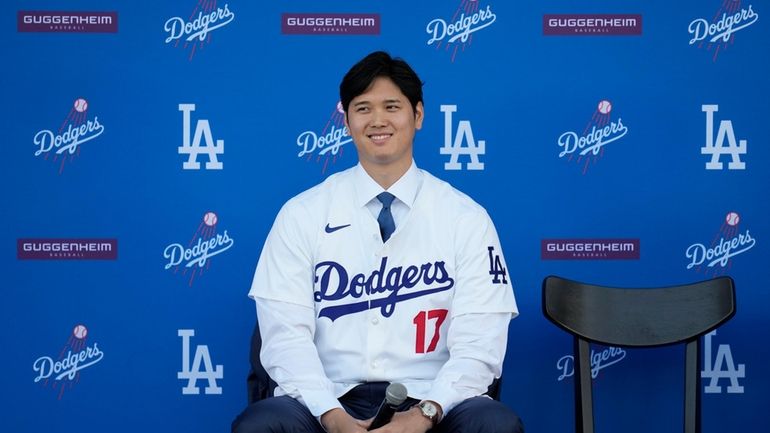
(429, 410)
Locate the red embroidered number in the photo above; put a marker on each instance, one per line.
(420, 321)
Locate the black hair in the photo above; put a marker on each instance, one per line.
(380, 64)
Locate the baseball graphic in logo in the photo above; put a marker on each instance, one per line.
(604, 106)
(210, 219)
(80, 332)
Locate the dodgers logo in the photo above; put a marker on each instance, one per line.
(453, 143)
(202, 133)
(720, 366)
(496, 268)
(65, 143)
(599, 361)
(63, 372)
(334, 284)
(201, 369)
(196, 255)
(717, 147)
(326, 146)
(196, 31)
(600, 131)
(729, 242)
(720, 31)
(456, 33)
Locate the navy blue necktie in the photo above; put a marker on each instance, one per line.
(387, 225)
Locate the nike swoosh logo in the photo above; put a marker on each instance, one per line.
(330, 229)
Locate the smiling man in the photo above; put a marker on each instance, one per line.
(382, 273)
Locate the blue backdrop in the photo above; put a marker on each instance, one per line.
(104, 323)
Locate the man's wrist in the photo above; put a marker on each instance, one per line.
(431, 410)
(331, 418)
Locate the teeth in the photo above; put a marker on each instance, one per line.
(379, 137)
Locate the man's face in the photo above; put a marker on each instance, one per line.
(382, 124)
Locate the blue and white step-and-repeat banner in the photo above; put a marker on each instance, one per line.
(149, 145)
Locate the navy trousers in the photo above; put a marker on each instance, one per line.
(286, 415)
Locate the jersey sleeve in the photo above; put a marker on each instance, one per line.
(285, 271)
(483, 279)
(482, 308)
(283, 291)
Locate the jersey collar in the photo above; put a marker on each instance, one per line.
(405, 189)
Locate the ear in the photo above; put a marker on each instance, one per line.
(345, 119)
(419, 113)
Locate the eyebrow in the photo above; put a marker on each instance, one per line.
(386, 101)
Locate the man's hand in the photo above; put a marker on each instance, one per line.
(410, 421)
(339, 421)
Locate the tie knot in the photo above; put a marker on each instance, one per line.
(386, 198)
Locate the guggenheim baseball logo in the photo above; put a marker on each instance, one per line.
(589, 249)
(330, 24)
(67, 249)
(592, 24)
(67, 22)
(63, 371)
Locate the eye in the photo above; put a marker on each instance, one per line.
(362, 109)
(392, 107)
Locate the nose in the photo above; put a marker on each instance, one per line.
(379, 118)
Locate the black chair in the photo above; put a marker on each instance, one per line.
(259, 385)
(638, 317)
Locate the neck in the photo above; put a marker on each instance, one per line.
(386, 176)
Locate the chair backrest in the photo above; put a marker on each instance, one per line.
(259, 385)
(637, 317)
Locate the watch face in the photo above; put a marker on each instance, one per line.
(429, 409)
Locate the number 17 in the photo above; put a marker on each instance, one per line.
(420, 321)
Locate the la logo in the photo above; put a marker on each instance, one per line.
(496, 269)
(723, 367)
(195, 373)
(734, 148)
(202, 131)
(453, 144)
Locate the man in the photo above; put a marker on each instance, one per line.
(382, 273)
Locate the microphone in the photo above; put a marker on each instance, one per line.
(395, 394)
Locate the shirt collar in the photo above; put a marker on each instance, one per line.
(405, 189)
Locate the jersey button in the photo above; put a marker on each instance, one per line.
(375, 321)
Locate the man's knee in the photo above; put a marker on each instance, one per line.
(484, 415)
(275, 414)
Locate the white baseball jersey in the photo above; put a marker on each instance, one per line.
(429, 308)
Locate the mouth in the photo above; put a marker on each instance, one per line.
(379, 138)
